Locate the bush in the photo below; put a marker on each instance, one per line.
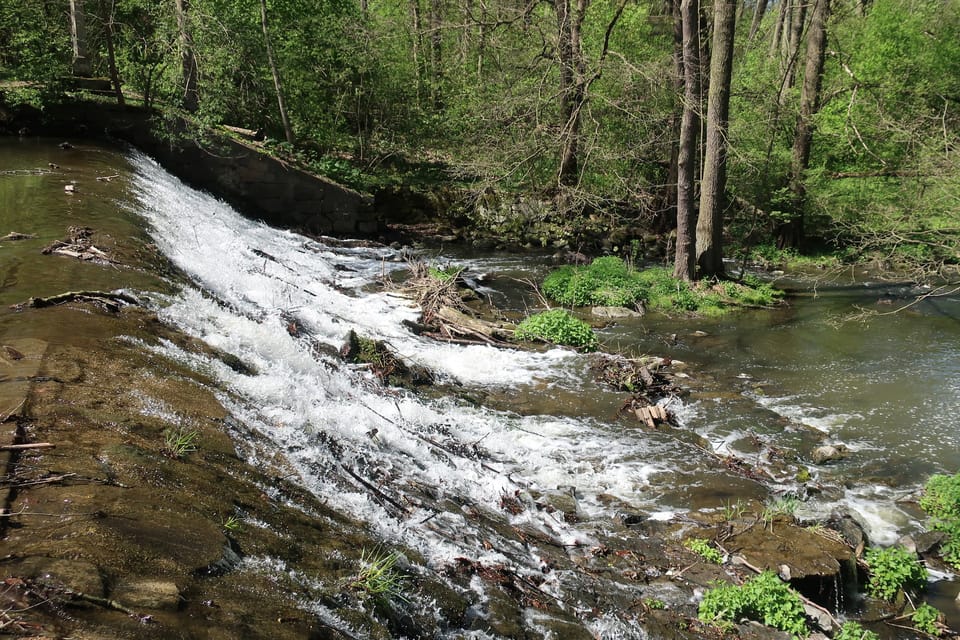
(941, 501)
(893, 569)
(559, 327)
(765, 598)
(609, 281)
(703, 549)
(925, 620)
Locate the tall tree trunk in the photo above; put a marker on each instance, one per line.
(758, 14)
(684, 266)
(713, 185)
(570, 51)
(791, 50)
(779, 27)
(436, 54)
(78, 38)
(790, 234)
(190, 99)
(417, 48)
(111, 55)
(277, 85)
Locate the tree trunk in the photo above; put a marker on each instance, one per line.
(713, 185)
(417, 48)
(436, 54)
(790, 234)
(570, 51)
(190, 99)
(78, 38)
(685, 259)
(791, 52)
(112, 57)
(758, 14)
(277, 85)
(779, 28)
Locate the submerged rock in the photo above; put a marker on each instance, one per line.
(828, 453)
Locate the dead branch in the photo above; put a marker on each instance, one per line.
(112, 300)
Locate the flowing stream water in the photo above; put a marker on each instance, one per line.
(887, 388)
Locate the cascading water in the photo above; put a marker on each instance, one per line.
(416, 470)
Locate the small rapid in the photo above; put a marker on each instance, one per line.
(417, 470)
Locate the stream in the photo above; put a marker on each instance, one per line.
(887, 387)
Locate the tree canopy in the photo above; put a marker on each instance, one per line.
(579, 101)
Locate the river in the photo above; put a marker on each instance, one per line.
(887, 387)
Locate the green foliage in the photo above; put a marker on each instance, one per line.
(941, 501)
(379, 577)
(180, 441)
(609, 281)
(702, 548)
(444, 274)
(853, 631)
(559, 327)
(925, 619)
(733, 510)
(232, 524)
(764, 598)
(893, 569)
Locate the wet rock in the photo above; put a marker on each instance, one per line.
(828, 453)
(927, 542)
(851, 530)
(148, 594)
(615, 312)
(781, 542)
(74, 575)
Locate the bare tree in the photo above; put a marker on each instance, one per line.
(190, 99)
(277, 84)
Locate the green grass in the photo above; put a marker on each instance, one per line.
(180, 441)
(378, 576)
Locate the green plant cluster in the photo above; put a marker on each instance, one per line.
(444, 274)
(925, 619)
(558, 327)
(941, 501)
(609, 281)
(180, 441)
(853, 631)
(702, 548)
(893, 569)
(765, 598)
(378, 576)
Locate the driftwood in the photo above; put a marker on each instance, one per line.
(112, 301)
(32, 445)
(77, 245)
(456, 326)
(13, 235)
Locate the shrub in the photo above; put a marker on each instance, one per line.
(559, 327)
(893, 569)
(702, 548)
(925, 620)
(853, 631)
(764, 598)
(941, 500)
(609, 281)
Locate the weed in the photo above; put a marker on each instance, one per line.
(653, 603)
(853, 631)
(893, 569)
(444, 274)
(764, 598)
(378, 576)
(180, 441)
(941, 500)
(559, 327)
(232, 524)
(733, 510)
(702, 548)
(785, 506)
(925, 619)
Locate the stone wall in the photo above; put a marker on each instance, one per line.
(256, 184)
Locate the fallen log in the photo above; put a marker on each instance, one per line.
(32, 445)
(460, 323)
(111, 300)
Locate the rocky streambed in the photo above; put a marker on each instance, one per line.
(138, 504)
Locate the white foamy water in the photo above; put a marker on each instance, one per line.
(337, 427)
